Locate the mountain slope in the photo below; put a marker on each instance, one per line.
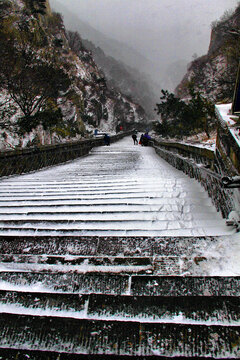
(125, 79)
(125, 68)
(111, 47)
(215, 73)
(86, 103)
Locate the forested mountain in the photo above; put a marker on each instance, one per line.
(51, 89)
(125, 68)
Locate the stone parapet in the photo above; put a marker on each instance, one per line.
(223, 199)
(199, 155)
(228, 140)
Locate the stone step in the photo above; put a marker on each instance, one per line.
(96, 182)
(118, 284)
(85, 265)
(98, 188)
(73, 260)
(10, 354)
(93, 337)
(159, 256)
(157, 265)
(78, 195)
(98, 208)
(185, 286)
(92, 181)
(193, 310)
(65, 282)
(110, 246)
(103, 223)
(63, 213)
(58, 231)
(115, 228)
(194, 265)
(109, 201)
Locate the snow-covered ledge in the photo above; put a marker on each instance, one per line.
(228, 140)
(224, 115)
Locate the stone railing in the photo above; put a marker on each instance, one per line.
(26, 160)
(199, 155)
(223, 199)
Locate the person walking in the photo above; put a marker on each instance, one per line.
(106, 139)
(134, 137)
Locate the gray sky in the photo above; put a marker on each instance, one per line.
(177, 27)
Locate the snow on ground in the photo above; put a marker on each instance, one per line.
(202, 141)
(219, 259)
(199, 140)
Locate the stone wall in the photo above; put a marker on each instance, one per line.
(26, 160)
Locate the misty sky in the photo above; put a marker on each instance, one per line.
(156, 28)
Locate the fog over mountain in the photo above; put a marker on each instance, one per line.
(158, 37)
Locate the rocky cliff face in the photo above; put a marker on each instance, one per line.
(86, 105)
(215, 73)
(125, 79)
(104, 107)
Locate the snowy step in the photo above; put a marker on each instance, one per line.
(92, 181)
(113, 208)
(116, 228)
(117, 233)
(102, 195)
(156, 265)
(65, 282)
(183, 310)
(160, 265)
(102, 223)
(185, 286)
(111, 246)
(98, 187)
(83, 265)
(58, 231)
(114, 337)
(108, 201)
(188, 310)
(117, 284)
(110, 211)
(71, 215)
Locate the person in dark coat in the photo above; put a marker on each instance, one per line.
(106, 139)
(134, 137)
(145, 139)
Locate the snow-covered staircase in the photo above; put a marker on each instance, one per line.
(115, 255)
(130, 207)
